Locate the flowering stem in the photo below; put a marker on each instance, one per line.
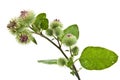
(59, 47)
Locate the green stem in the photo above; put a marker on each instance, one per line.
(70, 51)
(53, 44)
(76, 60)
(59, 47)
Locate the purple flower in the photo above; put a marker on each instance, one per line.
(11, 25)
(23, 14)
(23, 38)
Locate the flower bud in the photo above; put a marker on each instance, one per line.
(75, 50)
(49, 32)
(58, 31)
(61, 61)
(69, 40)
(55, 23)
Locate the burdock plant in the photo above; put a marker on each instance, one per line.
(91, 58)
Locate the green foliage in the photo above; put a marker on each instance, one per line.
(72, 72)
(97, 58)
(70, 62)
(35, 29)
(60, 61)
(33, 40)
(44, 24)
(72, 29)
(75, 50)
(41, 22)
(41, 16)
(49, 61)
(92, 58)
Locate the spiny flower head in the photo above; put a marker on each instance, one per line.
(11, 25)
(55, 23)
(61, 61)
(49, 32)
(24, 37)
(26, 17)
(58, 31)
(23, 14)
(69, 40)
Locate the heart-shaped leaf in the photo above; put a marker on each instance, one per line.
(72, 29)
(97, 58)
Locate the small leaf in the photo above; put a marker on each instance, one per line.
(44, 24)
(38, 19)
(36, 29)
(34, 40)
(41, 16)
(49, 61)
(75, 50)
(70, 62)
(72, 72)
(72, 29)
(97, 58)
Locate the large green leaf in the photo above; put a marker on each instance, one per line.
(49, 61)
(97, 58)
(73, 29)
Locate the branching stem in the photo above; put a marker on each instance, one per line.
(59, 47)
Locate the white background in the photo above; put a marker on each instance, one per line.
(98, 20)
